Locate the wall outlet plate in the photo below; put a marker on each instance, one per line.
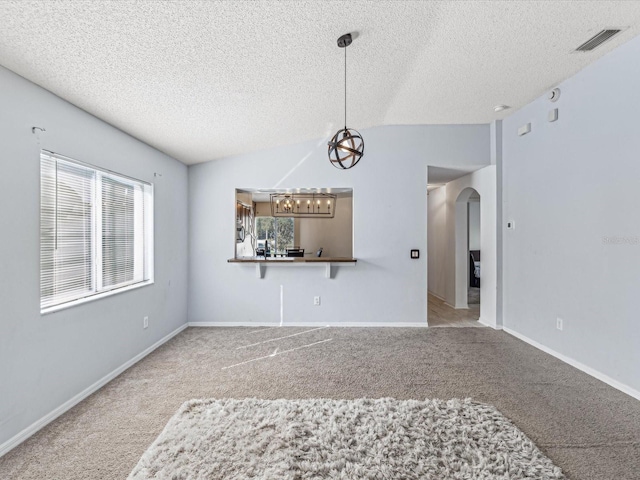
(145, 322)
(559, 323)
(316, 301)
(511, 225)
(553, 115)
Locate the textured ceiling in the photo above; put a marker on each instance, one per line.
(201, 80)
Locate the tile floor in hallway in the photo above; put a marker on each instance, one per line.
(442, 315)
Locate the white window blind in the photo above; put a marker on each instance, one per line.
(122, 232)
(95, 233)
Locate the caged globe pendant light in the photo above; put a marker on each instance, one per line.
(346, 147)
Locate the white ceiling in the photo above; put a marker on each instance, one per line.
(201, 80)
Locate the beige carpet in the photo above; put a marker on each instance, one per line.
(588, 429)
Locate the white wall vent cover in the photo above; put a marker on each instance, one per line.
(597, 40)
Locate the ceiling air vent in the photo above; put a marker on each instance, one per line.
(597, 40)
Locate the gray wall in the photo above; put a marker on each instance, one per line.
(438, 241)
(569, 186)
(46, 360)
(386, 285)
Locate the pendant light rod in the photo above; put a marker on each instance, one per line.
(343, 42)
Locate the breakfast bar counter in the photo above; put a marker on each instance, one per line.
(261, 263)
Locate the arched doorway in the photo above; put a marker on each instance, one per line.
(467, 250)
(449, 204)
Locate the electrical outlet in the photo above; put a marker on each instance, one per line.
(316, 301)
(559, 323)
(145, 322)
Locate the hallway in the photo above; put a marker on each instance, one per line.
(442, 315)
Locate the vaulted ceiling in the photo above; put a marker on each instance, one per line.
(202, 80)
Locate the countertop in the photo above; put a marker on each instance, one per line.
(292, 260)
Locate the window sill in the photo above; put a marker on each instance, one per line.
(97, 296)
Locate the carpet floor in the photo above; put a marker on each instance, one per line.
(588, 429)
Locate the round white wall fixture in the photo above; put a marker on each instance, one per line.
(554, 95)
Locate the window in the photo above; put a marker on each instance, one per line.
(277, 231)
(96, 232)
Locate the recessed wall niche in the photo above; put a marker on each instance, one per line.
(301, 222)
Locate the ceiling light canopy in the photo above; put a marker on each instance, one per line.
(346, 147)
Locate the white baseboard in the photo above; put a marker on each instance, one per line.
(437, 296)
(457, 308)
(311, 324)
(580, 366)
(444, 300)
(234, 324)
(487, 324)
(51, 416)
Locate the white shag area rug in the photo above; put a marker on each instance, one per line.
(342, 439)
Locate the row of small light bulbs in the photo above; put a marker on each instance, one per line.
(288, 205)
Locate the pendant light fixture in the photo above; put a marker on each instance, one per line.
(346, 147)
(309, 205)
